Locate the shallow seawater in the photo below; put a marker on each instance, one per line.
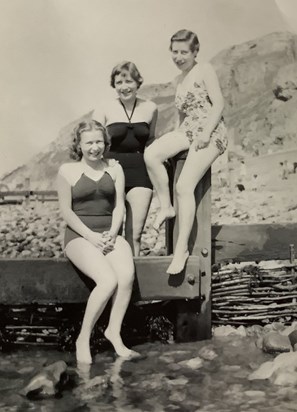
(159, 381)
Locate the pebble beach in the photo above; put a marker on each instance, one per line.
(36, 229)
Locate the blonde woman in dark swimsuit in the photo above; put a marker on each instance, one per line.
(130, 122)
(91, 197)
(201, 131)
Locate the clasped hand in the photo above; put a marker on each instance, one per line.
(104, 241)
(200, 142)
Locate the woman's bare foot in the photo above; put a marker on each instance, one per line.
(178, 263)
(83, 353)
(119, 347)
(83, 370)
(163, 215)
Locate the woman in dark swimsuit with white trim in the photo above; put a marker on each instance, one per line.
(131, 122)
(91, 197)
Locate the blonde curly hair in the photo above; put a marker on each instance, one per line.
(75, 152)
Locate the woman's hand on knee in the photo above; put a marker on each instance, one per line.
(96, 239)
(109, 239)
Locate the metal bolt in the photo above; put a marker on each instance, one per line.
(204, 252)
(191, 279)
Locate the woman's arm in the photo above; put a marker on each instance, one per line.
(179, 116)
(153, 123)
(119, 210)
(214, 91)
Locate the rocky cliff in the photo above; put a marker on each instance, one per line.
(259, 83)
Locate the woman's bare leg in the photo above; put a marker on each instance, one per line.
(121, 260)
(155, 155)
(138, 201)
(89, 260)
(196, 165)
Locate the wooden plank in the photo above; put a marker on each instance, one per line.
(154, 283)
(40, 280)
(252, 242)
(57, 281)
(15, 193)
(29, 193)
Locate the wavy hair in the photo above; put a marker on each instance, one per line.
(129, 67)
(186, 35)
(86, 126)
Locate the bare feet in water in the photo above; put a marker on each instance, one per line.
(163, 215)
(119, 347)
(83, 353)
(178, 263)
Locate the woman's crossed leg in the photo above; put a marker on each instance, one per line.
(155, 155)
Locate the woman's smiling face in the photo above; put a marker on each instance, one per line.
(126, 87)
(182, 55)
(92, 145)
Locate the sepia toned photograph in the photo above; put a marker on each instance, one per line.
(148, 174)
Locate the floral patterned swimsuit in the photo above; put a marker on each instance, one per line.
(196, 105)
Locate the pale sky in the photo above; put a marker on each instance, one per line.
(57, 55)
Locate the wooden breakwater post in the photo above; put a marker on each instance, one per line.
(194, 317)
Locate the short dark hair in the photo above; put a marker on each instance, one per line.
(186, 35)
(86, 126)
(128, 67)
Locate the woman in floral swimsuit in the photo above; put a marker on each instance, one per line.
(201, 131)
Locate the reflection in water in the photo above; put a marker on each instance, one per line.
(115, 370)
(83, 372)
(118, 390)
(94, 381)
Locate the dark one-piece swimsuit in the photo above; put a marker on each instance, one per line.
(93, 202)
(128, 141)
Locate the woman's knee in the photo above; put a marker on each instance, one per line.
(149, 156)
(152, 155)
(125, 270)
(108, 281)
(183, 189)
(103, 275)
(133, 234)
(126, 279)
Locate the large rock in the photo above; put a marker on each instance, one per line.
(208, 353)
(226, 330)
(274, 342)
(194, 363)
(293, 337)
(45, 383)
(285, 378)
(284, 362)
(249, 74)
